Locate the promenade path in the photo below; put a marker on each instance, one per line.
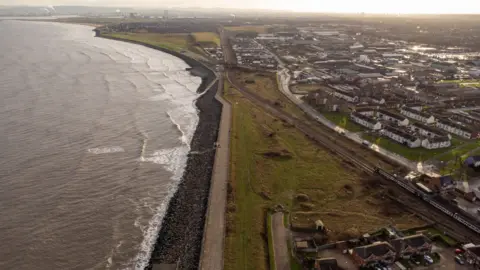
(214, 231)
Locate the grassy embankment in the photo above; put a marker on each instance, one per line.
(464, 83)
(178, 42)
(271, 163)
(414, 154)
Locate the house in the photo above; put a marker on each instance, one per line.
(472, 253)
(457, 129)
(427, 131)
(366, 111)
(379, 251)
(401, 136)
(393, 117)
(405, 247)
(378, 100)
(442, 183)
(436, 142)
(473, 161)
(304, 245)
(366, 121)
(326, 264)
(418, 115)
(348, 96)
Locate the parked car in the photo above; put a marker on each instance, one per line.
(459, 260)
(428, 259)
(459, 251)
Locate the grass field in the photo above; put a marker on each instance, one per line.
(261, 29)
(174, 42)
(271, 163)
(305, 88)
(207, 39)
(414, 154)
(461, 151)
(265, 85)
(343, 120)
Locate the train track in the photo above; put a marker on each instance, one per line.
(419, 206)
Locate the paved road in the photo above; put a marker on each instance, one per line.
(214, 232)
(280, 238)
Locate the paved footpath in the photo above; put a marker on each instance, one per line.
(280, 238)
(211, 257)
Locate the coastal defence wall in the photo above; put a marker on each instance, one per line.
(214, 233)
(181, 235)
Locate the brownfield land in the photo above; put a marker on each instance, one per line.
(272, 163)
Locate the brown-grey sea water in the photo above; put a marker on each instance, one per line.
(94, 137)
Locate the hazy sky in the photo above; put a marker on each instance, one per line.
(369, 6)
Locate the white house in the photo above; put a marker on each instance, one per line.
(366, 121)
(348, 96)
(393, 117)
(417, 115)
(378, 100)
(366, 111)
(401, 137)
(427, 131)
(437, 142)
(457, 129)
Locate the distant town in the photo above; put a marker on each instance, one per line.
(393, 104)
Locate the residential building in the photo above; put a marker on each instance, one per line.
(378, 100)
(408, 246)
(365, 111)
(473, 161)
(379, 251)
(436, 142)
(326, 264)
(348, 96)
(401, 136)
(305, 245)
(457, 129)
(441, 184)
(427, 131)
(393, 117)
(472, 253)
(418, 115)
(366, 121)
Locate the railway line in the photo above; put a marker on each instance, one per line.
(455, 223)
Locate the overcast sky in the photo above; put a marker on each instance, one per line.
(369, 6)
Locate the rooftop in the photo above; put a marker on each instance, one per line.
(393, 115)
(364, 117)
(401, 133)
(377, 249)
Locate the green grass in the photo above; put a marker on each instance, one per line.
(432, 232)
(286, 223)
(461, 151)
(259, 182)
(414, 154)
(174, 42)
(343, 120)
(207, 38)
(294, 263)
(271, 254)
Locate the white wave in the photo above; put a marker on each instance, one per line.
(106, 150)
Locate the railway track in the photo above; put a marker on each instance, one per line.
(329, 141)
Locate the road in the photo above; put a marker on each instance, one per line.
(214, 232)
(280, 238)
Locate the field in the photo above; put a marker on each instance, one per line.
(464, 83)
(460, 151)
(343, 120)
(207, 39)
(174, 42)
(414, 154)
(261, 29)
(272, 163)
(305, 88)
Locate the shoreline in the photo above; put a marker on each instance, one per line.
(180, 238)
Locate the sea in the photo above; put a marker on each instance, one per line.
(94, 141)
